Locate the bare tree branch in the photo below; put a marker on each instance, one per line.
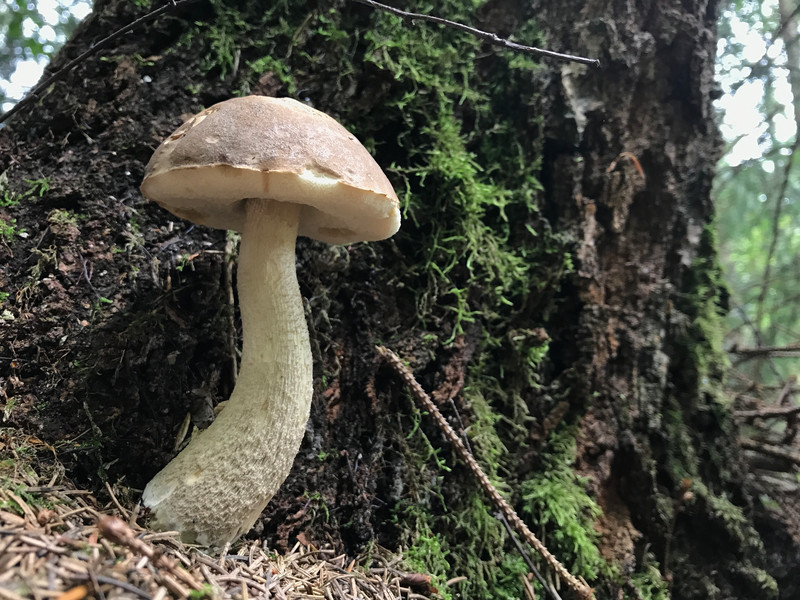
(771, 450)
(767, 413)
(788, 350)
(492, 38)
(773, 243)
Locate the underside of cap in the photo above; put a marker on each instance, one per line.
(333, 212)
(275, 149)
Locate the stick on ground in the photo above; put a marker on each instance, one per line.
(578, 585)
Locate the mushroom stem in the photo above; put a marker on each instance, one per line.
(215, 489)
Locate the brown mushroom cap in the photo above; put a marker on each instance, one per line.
(277, 149)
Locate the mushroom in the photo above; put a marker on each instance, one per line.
(272, 169)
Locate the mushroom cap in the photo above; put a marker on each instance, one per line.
(276, 149)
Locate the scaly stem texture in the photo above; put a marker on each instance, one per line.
(215, 489)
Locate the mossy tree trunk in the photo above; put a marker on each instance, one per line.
(554, 284)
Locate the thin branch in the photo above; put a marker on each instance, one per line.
(767, 350)
(767, 413)
(36, 92)
(772, 365)
(492, 38)
(773, 243)
(579, 586)
(785, 20)
(786, 395)
(524, 553)
(771, 450)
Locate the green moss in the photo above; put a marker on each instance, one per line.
(13, 194)
(763, 584)
(649, 583)
(556, 498)
(473, 237)
(681, 461)
(427, 555)
(60, 216)
(8, 229)
(728, 518)
(205, 592)
(34, 501)
(222, 37)
(273, 66)
(705, 304)
(426, 59)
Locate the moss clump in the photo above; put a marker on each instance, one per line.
(11, 195)
(706, 304)
(728, 519)
(649, 584)
(556, 498)
(428, 556)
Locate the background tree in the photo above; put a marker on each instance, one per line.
(757, 189)
(555, 285)
(30, 33)
(757, 186)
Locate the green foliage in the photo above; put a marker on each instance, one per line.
(34, 188)
(705, 303)
(278, 68)
(482, 553)
(33, 500)
(509, 574)
(237, 32)
(59, 216)
(471, 192)
(471, 239)
(729, 518)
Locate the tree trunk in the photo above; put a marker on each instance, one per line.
(554, 284)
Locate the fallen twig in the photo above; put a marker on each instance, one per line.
(788, 350)
(579, 586)
(118, 531)
(780, 412)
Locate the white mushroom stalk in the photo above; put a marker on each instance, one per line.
(215, 489)
(272, 168)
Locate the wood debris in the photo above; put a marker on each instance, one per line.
(58, 543)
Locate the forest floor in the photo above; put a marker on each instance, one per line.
(60, 542)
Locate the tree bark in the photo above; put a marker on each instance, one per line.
(554, 285)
